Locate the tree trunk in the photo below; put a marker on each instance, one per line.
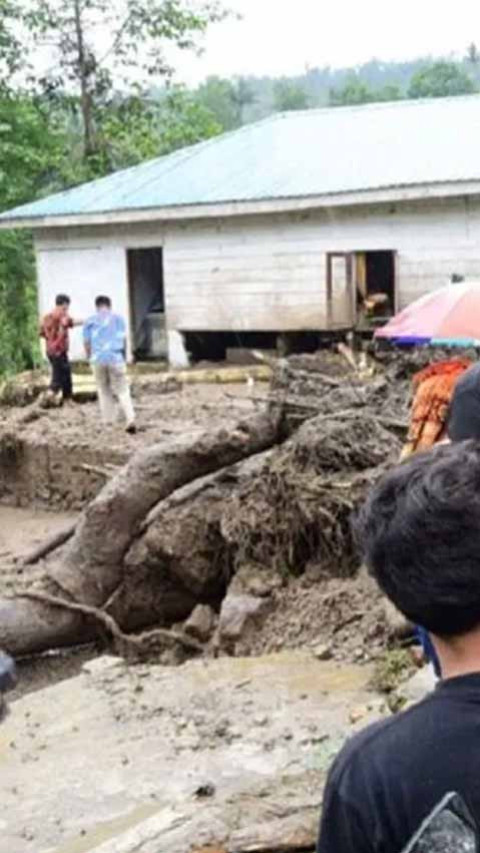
(85, 97)
(93, 567)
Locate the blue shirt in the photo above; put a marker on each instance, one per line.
(105, 333)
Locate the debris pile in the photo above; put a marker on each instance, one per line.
(274, 492)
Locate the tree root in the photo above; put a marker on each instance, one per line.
(123, 642)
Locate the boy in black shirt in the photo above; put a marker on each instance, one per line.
(420, 535)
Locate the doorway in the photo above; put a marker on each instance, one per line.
(147, 303)
(375, 286)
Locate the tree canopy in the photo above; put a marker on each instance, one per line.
(440, 80)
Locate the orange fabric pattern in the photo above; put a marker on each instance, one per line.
(434, 388)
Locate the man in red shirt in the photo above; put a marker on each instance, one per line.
(55, 328)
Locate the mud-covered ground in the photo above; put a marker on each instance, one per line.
(221, 753)
(59, 458)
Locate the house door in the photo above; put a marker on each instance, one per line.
(147, 302)
(340, 293)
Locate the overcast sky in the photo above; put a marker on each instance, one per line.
(285, 36)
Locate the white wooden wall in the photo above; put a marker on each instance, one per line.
(260, 273)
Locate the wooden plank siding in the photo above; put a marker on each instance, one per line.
(266, 273)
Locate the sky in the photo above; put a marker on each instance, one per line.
(278, 37)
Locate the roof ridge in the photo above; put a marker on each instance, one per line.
(374, 105)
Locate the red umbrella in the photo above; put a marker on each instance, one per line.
(450, 314)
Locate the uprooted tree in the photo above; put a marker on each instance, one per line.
(172, 527)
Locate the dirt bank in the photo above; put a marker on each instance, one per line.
(61, 459)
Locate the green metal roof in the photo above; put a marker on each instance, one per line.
(292, 155)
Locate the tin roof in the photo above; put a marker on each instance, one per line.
(295, 155)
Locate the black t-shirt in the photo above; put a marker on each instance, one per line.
(388, 778)
(464, 412)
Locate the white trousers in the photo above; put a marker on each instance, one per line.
(113, 388)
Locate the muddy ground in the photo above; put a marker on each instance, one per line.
(61, 458)
(151, 759)
(217, 755)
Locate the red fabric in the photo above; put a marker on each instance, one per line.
(54, 329)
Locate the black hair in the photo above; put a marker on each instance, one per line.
(103, 302)
(419, 533)
(62, 299)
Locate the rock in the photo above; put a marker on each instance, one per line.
(239, 611)
(357, 714)
(103, 665)
(322, 652)
(256, 581)
(200, 623)
(419, 686)
(206, 790)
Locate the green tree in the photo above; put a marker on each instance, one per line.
(137, 40)
(31, 154)
(219, 97)
(439, 80)
(137, 129)
(288, 96)
(355, 91)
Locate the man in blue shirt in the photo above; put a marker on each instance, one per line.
(104, 337)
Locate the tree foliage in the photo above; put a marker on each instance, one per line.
(227, 100)
(134, 129)
(289, 96)
(440, 80)
(80, 120)
(356, 91)
(98, 47)
(31, 153)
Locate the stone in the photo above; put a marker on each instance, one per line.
(238, 612)
(357, 714)
(419, 686)
(322, 652)
(200, 623)
(103, 665)
(256, 581)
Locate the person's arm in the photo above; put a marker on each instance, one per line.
(122, 335)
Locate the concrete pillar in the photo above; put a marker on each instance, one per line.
(177, 353)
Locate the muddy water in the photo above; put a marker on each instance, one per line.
(23, 529)
(112, 752)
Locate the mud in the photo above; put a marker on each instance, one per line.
(222, 753)
(343, 620)
(61, 459)
(243, 743)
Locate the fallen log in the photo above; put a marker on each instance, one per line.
(92, 568)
